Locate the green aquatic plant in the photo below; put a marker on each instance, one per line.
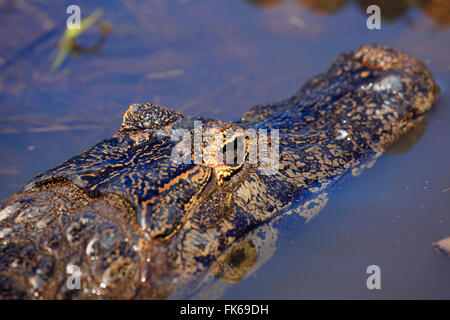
(68, 42)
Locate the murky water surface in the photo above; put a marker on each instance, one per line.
(217, 59)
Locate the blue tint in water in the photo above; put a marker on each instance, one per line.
(231, 55)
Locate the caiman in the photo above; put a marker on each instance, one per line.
(122, 220)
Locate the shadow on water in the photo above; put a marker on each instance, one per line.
(182, 56)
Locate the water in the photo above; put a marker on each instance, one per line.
(217, 59)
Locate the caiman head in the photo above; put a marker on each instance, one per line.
(196, 197)
(374, 92)
(153, 162)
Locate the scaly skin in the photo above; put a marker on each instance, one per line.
(141, 226)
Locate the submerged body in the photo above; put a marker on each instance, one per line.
(131, 223)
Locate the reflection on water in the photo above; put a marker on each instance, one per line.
(264, 3)
(217, 59)
(234, 264)
(69, 43)
(323, 6)
(438, 10)
(405, 142)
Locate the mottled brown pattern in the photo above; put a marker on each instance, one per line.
(140, 226)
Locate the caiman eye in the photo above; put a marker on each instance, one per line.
(231, 147)
(233, 159)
